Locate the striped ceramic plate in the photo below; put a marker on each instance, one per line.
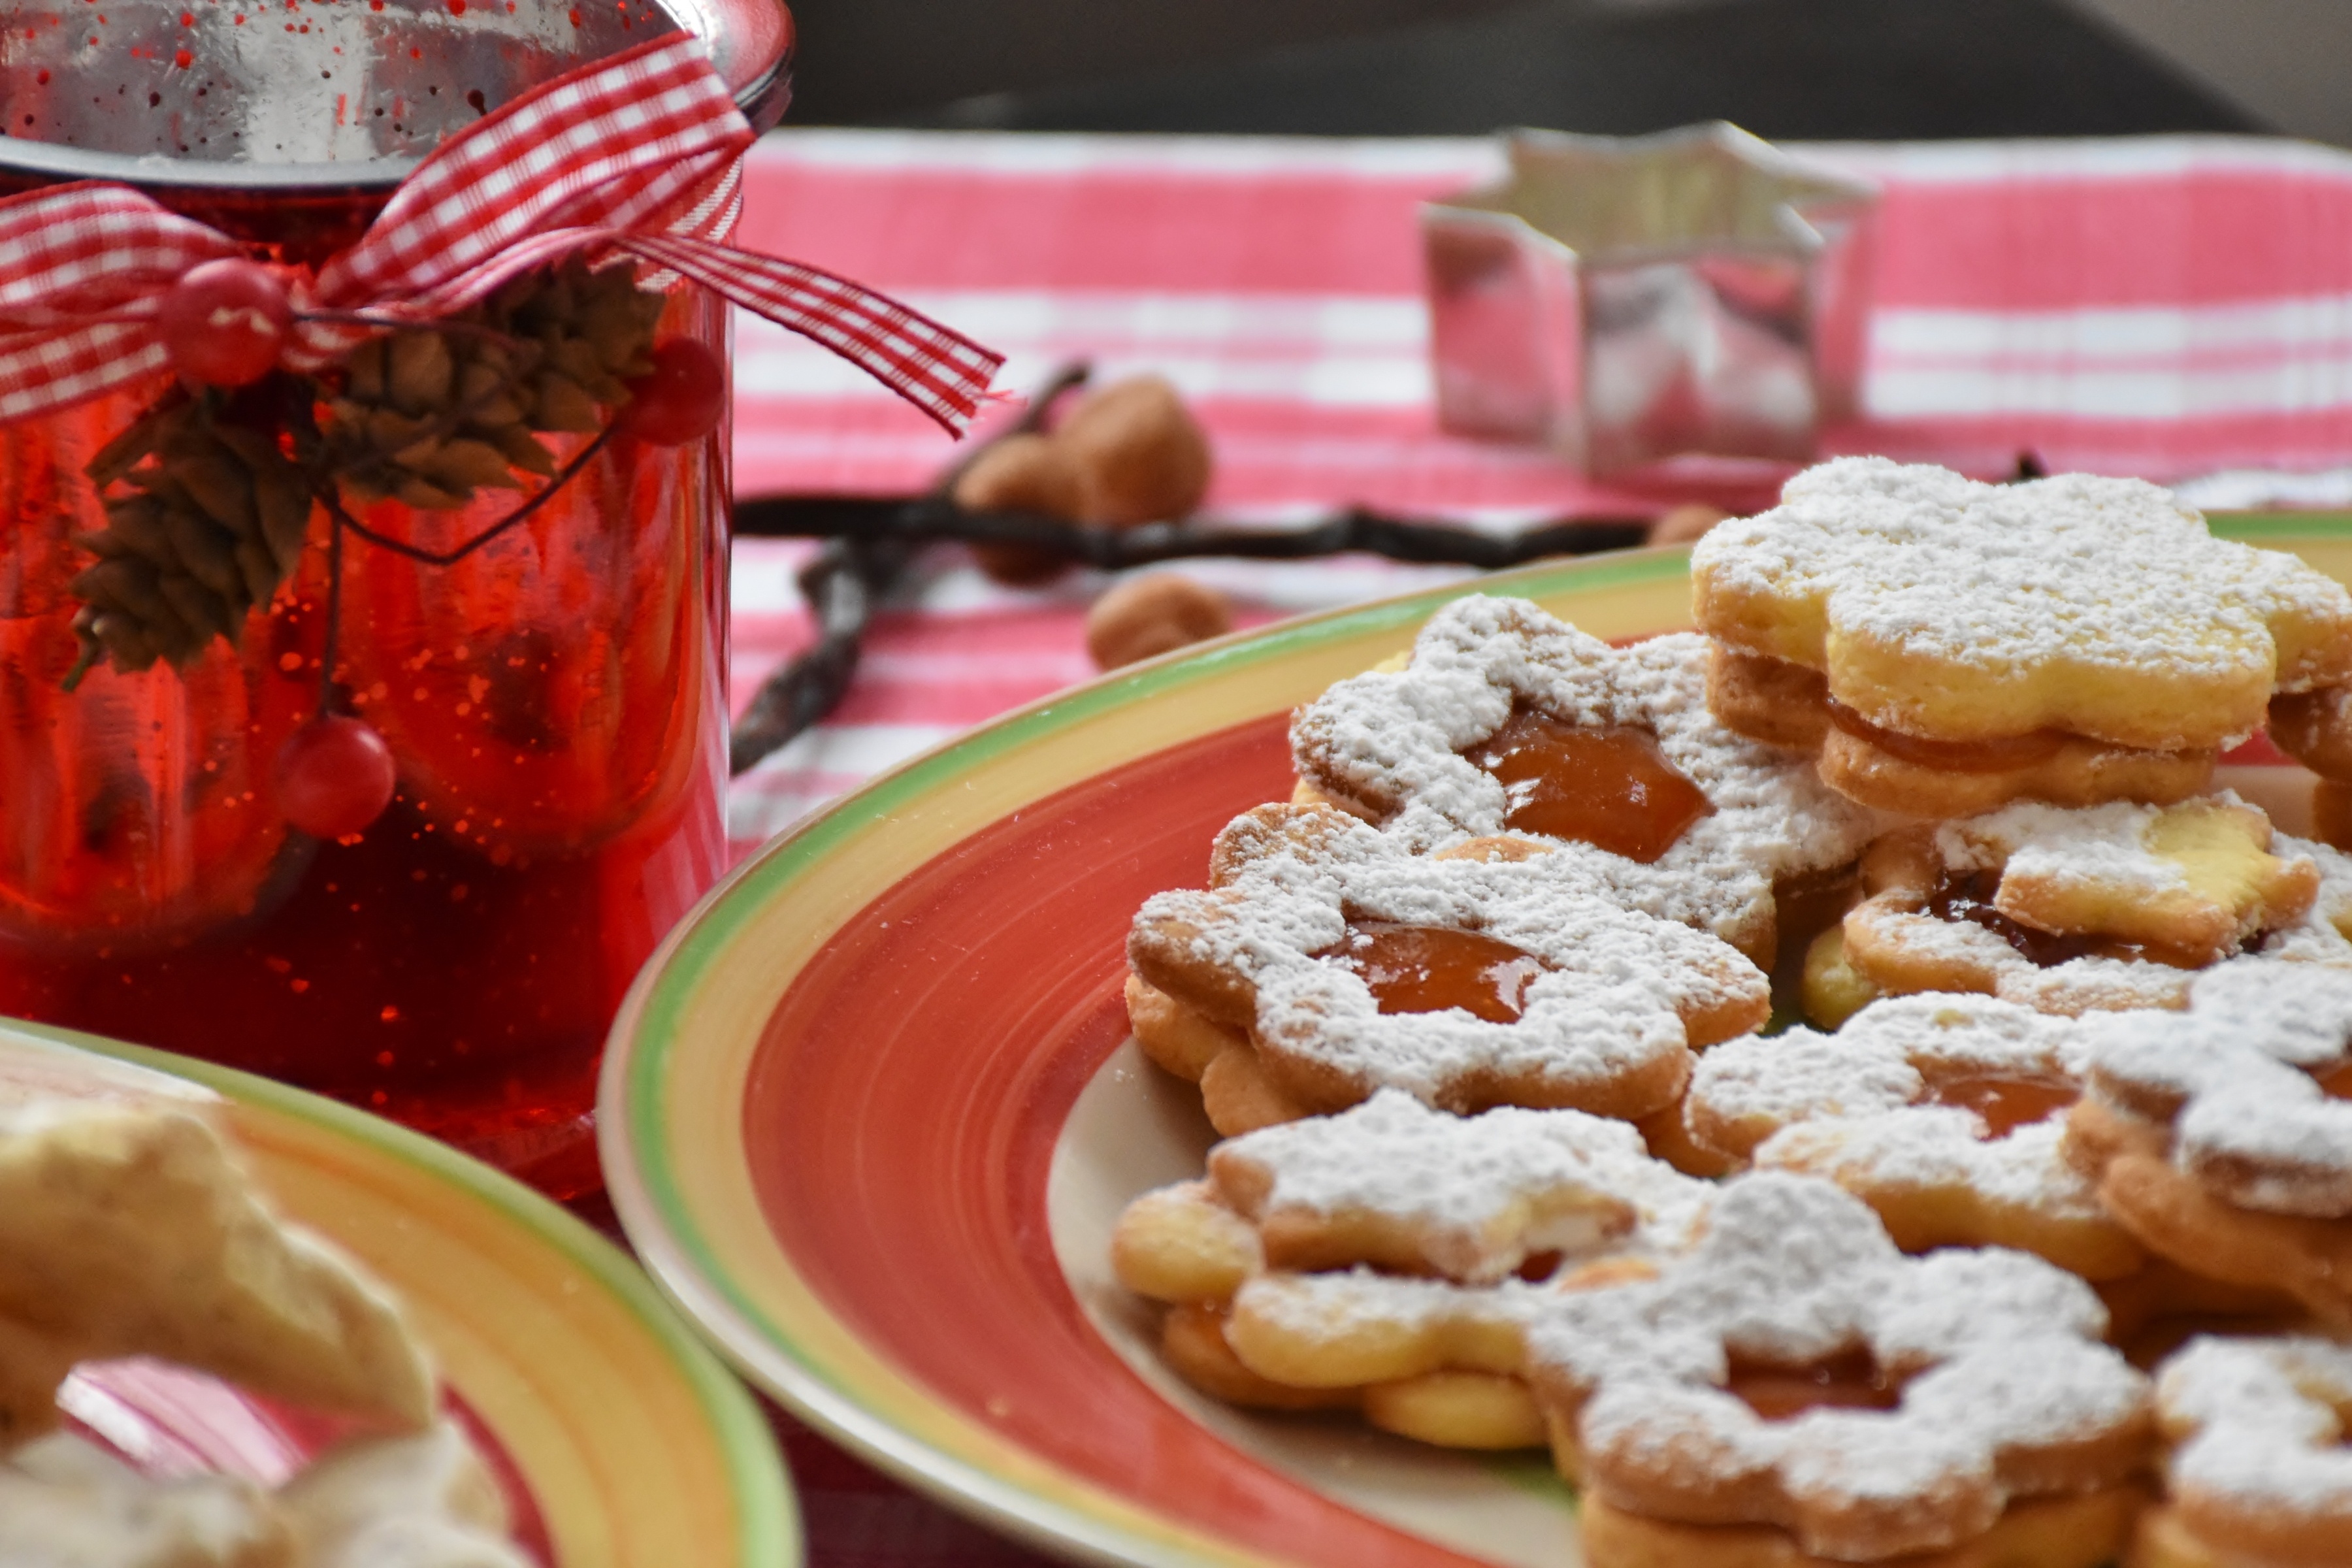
(870, 1114)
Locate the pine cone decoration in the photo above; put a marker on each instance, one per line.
(214, 522)
(220, 484)
(429, 416)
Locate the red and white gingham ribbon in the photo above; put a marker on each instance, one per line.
(638, 154)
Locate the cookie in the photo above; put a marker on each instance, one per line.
(130, 1228)
(2078, 638)
(2315, 728)
(2078, 1532)
(1796, 1372)
(2216, 1136)
(1788, 705)
(2075, 910)
(64, 1503)
(1425, 1358)
(1350, 963)
(1919, 929)
(2193, 882)
(1382, 1258)
(2257, 1472)
(1944, 1113)
(425, 1498)
(1517, 731)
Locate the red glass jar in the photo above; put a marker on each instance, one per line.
(555, 702)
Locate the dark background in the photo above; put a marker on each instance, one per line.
(1789, 69)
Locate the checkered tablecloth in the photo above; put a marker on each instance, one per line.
(2179, 309)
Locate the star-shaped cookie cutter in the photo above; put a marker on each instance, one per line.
(1628, 300)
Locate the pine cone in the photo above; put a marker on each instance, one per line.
(429, 416)
(214, 521)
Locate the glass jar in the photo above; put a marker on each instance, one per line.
(555, 702)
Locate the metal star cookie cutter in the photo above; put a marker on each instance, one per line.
(1623, 300)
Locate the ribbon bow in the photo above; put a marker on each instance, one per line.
(638, 153)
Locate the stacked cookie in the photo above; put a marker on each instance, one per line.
(2046, 673)
(1481, 1007)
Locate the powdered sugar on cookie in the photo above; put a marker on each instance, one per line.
(2003, 1388)
(2259, 1462)
(1941, 1112)
(1881, 1061)
(1480, 1195)
(1361, 1328)
(2102, 844)
(2238, 1077)
(2194, 880)
(1904, 950)
(1583, 1004)
(1396, 743)
(1938, 606)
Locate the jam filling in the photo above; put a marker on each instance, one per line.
(1852, 1380)
(1968, 896)
(2335, 1083)
(2003, 1102)
(1611, 788)
(1999, 754)
(1427, 969)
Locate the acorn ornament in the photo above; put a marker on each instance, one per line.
(1159, 611)
(1140, 455)
(1127, 454)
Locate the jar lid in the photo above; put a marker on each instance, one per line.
(322, 94)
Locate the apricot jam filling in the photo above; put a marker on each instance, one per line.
(1852, 1380)
(1427, 969)
(2335, 1083)
(2005, 1102)
(1996, 755)
(1610, 787)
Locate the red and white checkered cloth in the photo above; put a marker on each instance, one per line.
(2177, 307)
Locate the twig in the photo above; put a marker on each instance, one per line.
(848, 578)
(931, 518)
(335, 628)
(869, 541)
(512, 520)
(842, 586)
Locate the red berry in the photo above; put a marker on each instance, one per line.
(225, 323)
(335, 776)
(680, 400)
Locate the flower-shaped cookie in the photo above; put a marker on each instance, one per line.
(1512, 727)
(2072, 908)
(1351, 964)
(1382, 1257)
(2258, 1470)
(2217, 1135)
(1796, 1372)
(2078, 638)
(1941, 1112)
